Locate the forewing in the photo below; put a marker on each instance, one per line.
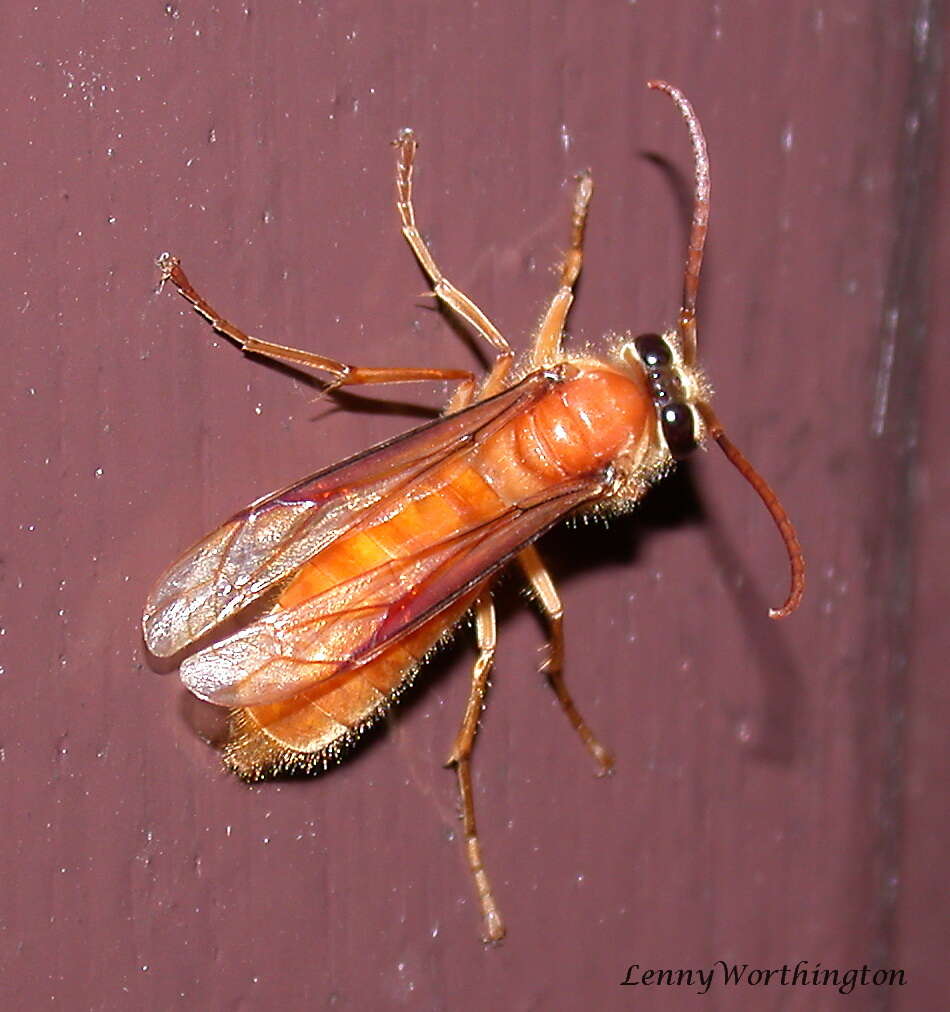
(265, 543)
(292, 649)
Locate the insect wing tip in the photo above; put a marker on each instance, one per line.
(209, 677)
(160, 639)
(246, 669)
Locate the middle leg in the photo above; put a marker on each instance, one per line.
(443, 289)
(342, 373)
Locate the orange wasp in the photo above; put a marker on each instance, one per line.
(368, 565)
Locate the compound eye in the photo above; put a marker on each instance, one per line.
(654, 352)
(679, 429)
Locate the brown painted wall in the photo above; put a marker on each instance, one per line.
(780, 792)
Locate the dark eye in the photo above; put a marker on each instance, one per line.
(676, 420)
(654, 352)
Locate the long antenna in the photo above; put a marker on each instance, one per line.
(796, 558)
(687, 330)
(697, 232)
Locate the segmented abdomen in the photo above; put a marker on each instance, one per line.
(564, 436)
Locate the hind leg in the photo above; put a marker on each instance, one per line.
(460, 758)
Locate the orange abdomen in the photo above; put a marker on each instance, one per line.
(572, 432)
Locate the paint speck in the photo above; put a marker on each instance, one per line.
(788, 137)
(267, 217)
(921, 35)
(885, 368)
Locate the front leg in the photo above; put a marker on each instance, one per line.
(547, 344)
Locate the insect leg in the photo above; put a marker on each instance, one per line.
(547, 343)
(343, 374)
(549, 602)
(460, 758)
(443, 289)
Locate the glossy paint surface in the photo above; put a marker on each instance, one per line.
(779, 792)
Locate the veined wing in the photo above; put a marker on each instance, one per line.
(291, 649)
(265, 543)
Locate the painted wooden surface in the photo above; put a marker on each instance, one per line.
(780, 792)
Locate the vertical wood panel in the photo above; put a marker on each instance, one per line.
(780, 787)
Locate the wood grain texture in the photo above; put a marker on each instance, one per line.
(780, 792)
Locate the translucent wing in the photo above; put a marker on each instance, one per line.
(267, 542)
(329, 634)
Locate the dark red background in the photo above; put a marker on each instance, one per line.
(781, 789)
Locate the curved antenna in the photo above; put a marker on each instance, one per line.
(697, 232)
(796, 558)
(687, 331)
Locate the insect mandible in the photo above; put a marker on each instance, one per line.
(368, 565)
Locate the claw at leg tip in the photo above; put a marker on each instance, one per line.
(494, 930)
